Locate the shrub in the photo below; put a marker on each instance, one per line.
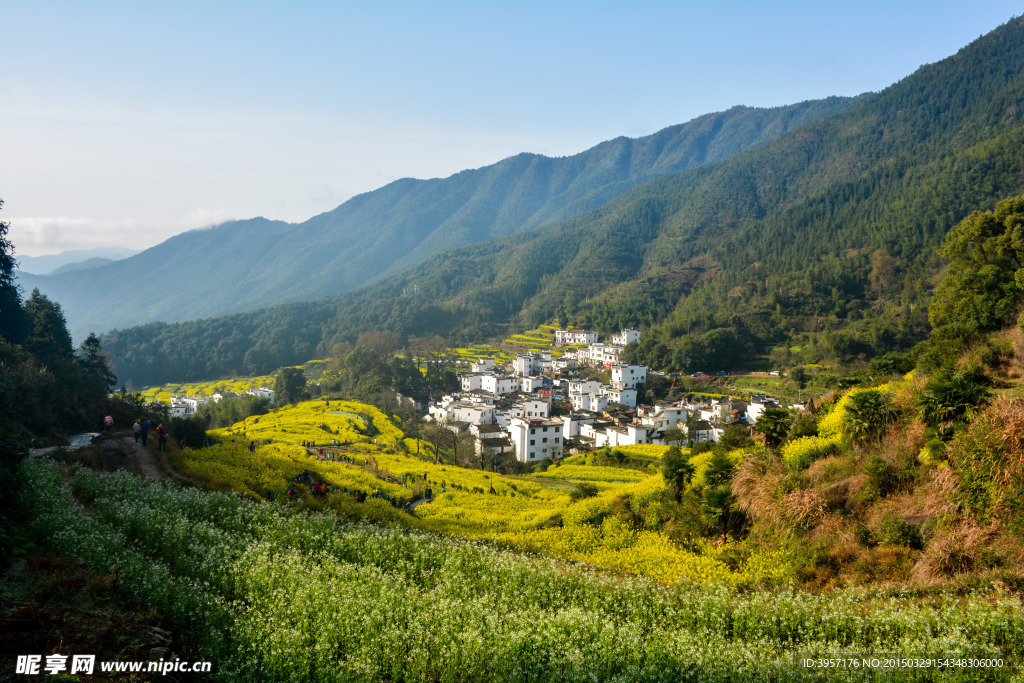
(867, 414)
(896, 531)
(800, 453)
(883, 478)
(583, 490)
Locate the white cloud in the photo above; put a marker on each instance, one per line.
(41, 235)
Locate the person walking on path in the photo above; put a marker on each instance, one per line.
(146, 424)
(108, 423)
(161, 437)
(137, 429)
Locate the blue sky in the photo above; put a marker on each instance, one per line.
(123, 123)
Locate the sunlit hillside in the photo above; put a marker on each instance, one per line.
(534, 512)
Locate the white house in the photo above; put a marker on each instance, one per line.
(536, 439)
(603, 354)
(571, 424)
(181, 408)
(489, 383)
(471, 381)
(628, 376)
(473, 413)
(528, 385)
(586, 394)
(758, 404)
(596, 433)
(565, 363)
(185, 406)
(493, 437)
(262, 392)
(575, 336)
(482, 365)
(629, 435)
(526, 364)
(663, 416)
(702, 431)
(498, 385)
(626, 397)
(580, 386)
(627, 336)
(532, 409)
(595, 402)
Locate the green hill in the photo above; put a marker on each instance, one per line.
(242, 265)
(831, 228)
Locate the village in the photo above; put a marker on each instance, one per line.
(546, 404)
(538, 407)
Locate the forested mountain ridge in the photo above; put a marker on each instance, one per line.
(831, 228)
(243, 265)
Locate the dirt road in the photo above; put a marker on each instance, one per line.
(121, 452)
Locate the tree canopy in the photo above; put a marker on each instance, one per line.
(982, 290)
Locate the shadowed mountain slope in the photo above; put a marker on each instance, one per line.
(243, 265)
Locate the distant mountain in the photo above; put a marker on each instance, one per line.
(244, 265)
(53, 263)
(94, 262)
(831, 229)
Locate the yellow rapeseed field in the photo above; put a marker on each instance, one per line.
(531, 512)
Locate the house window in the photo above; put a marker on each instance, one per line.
(533, 441)
(545, 439)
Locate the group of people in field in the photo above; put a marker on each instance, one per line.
(313, 444)
(326, 456)
(141, 428)
(320, 488)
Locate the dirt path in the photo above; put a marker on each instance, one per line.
(121, 452)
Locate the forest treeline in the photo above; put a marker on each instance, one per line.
(829, 233)
(242, 265)
(47, 387)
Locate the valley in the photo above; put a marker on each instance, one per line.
(739, 400)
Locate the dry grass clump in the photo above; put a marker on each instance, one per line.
(840, 494)
(831, 469)
(1009, 418)
(901, 445)
(755, 484)
(889, 563)
(834, 529)
(989, 461)
(958, 548)
(803, 508)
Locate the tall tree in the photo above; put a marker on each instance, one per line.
(677, 472)
(290, 385)
(94, 363)
(48, 339)
(774, 425)
(13, 322)
(982, 289)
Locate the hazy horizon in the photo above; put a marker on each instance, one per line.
(124, 125)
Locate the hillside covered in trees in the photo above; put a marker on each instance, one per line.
(243, 265)
(831, 230)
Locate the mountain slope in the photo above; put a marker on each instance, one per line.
(95, 262)
(792, 235)
(243, 265)
(51, 263)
